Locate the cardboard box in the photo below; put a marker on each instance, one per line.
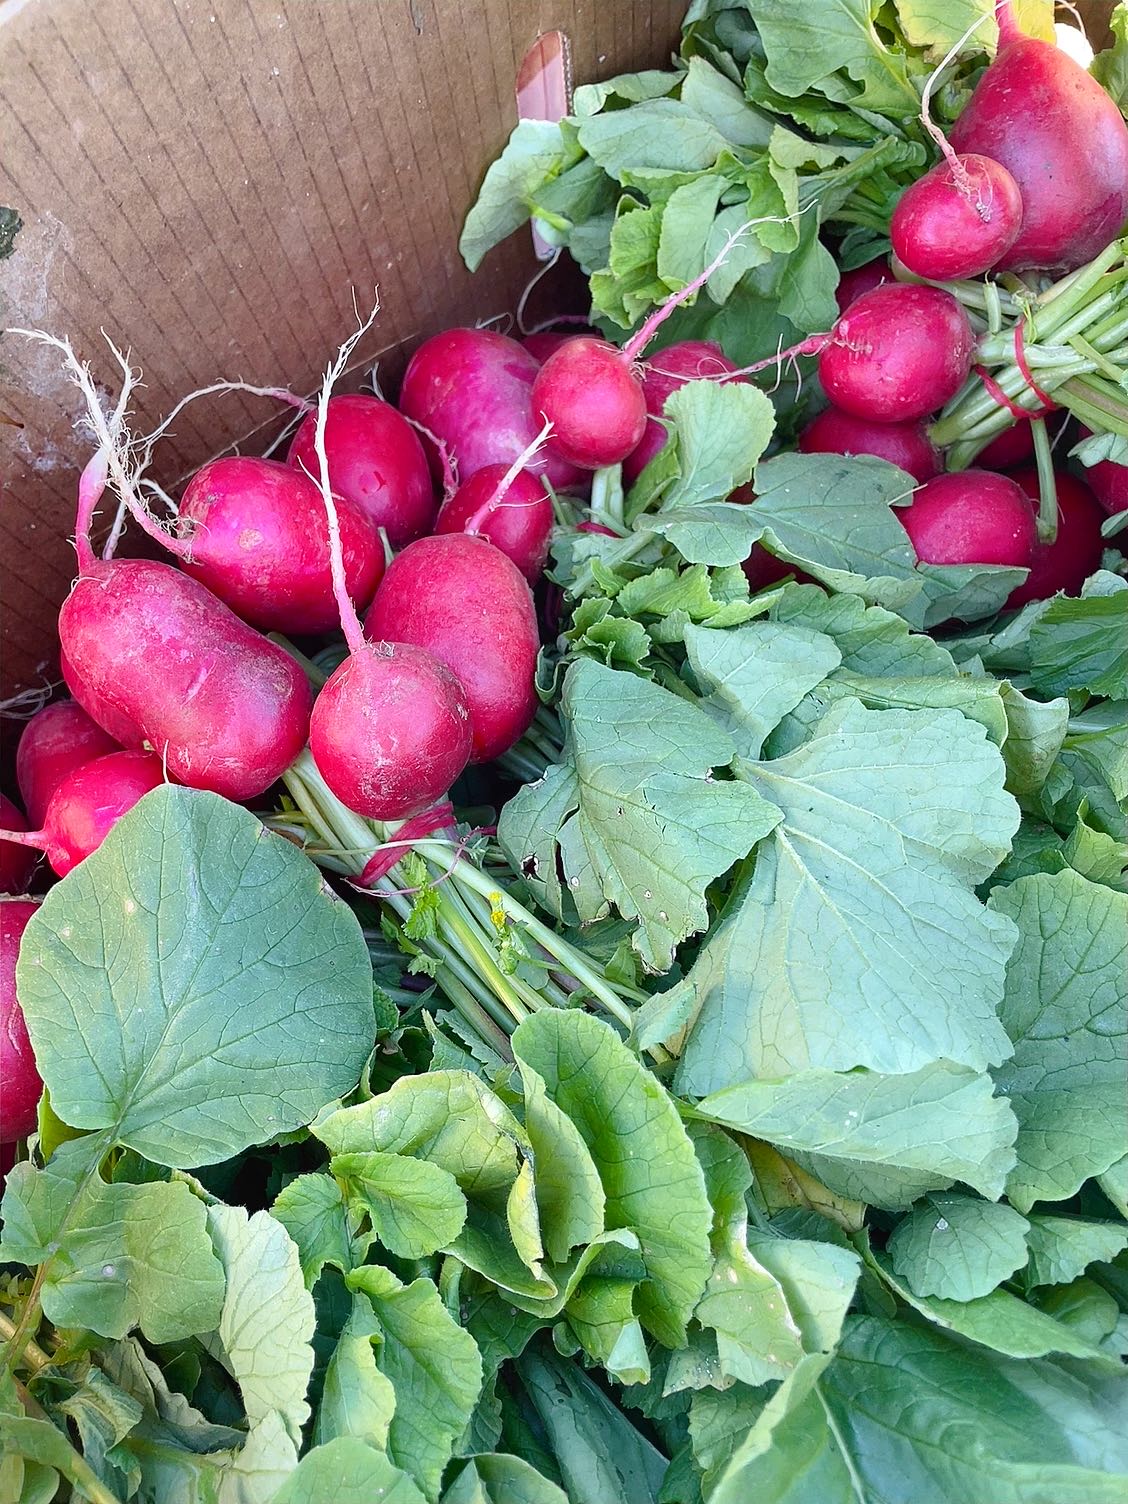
(210, 181)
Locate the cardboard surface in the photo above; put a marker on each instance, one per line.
(209, 180)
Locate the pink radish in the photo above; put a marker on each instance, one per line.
(906, 445)
(472, 389)
(20, 1084)
(390, 729)
(958, 220)
(663, 374)
(511, 509)
(17, 862)
(464, 601)
(1014, 446)
(971, 517)
(257, 538)
(120, 729)
(852, 284)
(376, 462)
(89, 802)
(58, 739)
(1075, 554)
(898, 353)
(1108, 481)
(545, 342)
(1062, 139)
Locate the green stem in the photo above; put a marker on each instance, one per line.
(32, 1354)
(622, 553)
(20, 1331)
(1047, 483)
(77, 1470)
(1099, 361)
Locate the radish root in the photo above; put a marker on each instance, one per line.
(965, 184)
(497, 498)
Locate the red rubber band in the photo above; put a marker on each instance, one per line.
(995, 391)
(1048, 406)
(438, 817)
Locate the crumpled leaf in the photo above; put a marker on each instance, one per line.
(414, 1206)
(356, 1398)
(1061, 1248)
(957, 1247)
(312, 1210)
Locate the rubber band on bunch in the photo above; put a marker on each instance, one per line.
(995, 391)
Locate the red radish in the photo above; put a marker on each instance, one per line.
(57, 739)
(897, 353)
(513, 511)
(20, 1084)
(971, 517)
(225, 708)
(376, 462)
(958, 220)
(120, 729)
(590, 393)
(1014, 446)
(89, 802)
(662, 374)
(852, 284)
(763, 569)
(464, 601)
(17, 862)
(595, 527)
(546, 342)
(390, 729)
(1107, 480)
(257, 539)
(906, 445)
(1075, 554)
(472, 389)
(1063, 140)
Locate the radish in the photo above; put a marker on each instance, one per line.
(906, 445)
(1062, 139)
(464, 601)
(594, 400)
(153, 656)
(20, 1084)
(545, 342)
(662, 374)
(376, 462)
(971, 517)
(898, 353)
(471, 389)
(57, 739)
(762, 569)
(1107, 480)
(1014, 446)
(510, 508)
(257, 538)
(957, 220)
(17, 863)
(390, 729)
(862, 279)
(89, 802)
(1075, 554)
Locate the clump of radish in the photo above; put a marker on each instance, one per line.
(862, 279)
(663, 374)
(256, 537)
(17, 861)
(898, 353)
(20, 1084)
(1062, 139)
(462, 600)
(55, 741)
(89, 802)
(376, 463)
(906, 445)
(471, 389)
(1075, 554)
(971, 517)
(510, 507)
(390, 729)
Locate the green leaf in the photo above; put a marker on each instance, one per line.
(534, 152)
(630, 284)
(1064, 1010)
(356, 1398)
(433, 1366)
(267, 1320)
(661, 133)
(115, 1256)
(497, 1478)
(1114, 1183)
(999, 1321)
(569, 1192)
(751, 676)
(721, 430)
(806, 49)
(1082, 644)
(1099, 857)
(1035, 732)
(312, 1210)
(348, 1472)
(601, 1317)
(840, 949)
(217, 998)
(957, 1247)
(1110, 67)
(873, 642)
(686, 222)
(414, 1206)
(882, 1139)
(1061, 1248)
(635, 817)
(650, 1174)
(1034, 1431)
(104, 1416)
(717, 99)
(601, 1456)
